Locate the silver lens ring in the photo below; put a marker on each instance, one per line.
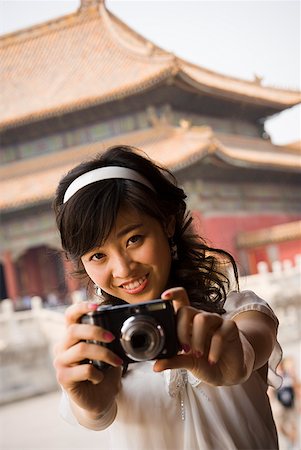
(142, 338)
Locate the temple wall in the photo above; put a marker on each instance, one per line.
(223, 210)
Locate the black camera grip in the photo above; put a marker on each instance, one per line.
(100, 365)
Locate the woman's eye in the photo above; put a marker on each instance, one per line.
(134, 239)
(96, 257)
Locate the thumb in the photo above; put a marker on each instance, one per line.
(177, 362)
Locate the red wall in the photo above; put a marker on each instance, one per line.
(288, 250)
(222, 231)
(285, 251)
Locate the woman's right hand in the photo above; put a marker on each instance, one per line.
(89, 388)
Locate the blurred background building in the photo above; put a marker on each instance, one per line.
(75, 85)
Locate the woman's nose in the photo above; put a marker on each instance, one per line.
(121, 266)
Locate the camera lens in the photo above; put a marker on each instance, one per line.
(142, 338)
(139, 341)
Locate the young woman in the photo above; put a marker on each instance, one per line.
(123, 222)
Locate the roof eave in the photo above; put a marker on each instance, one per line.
(171, 72)
(259, 100)
(216, 152)
(88, 103)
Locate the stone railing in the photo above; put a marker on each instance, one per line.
(281, 288)
(27, 340)
(25, 352)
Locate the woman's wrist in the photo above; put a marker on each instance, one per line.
(96, 422)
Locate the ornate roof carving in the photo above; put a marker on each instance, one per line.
(91, 57)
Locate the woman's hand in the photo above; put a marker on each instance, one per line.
(212, 347)
(89, 388)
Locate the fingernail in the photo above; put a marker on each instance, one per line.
(186, 348)
(93, 306)
(118, 361)
(198, 354)
(108, 336)
(211, 363)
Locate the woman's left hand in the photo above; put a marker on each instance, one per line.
(212, 349)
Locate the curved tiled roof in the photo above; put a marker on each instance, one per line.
(34, 180)
(90, 57)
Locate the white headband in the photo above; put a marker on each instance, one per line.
(104, 173)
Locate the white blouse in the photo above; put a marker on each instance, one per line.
(173, 410)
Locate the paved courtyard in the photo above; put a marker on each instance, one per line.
(34, 424)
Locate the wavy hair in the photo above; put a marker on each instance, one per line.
(84, 223)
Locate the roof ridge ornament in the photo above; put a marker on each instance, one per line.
(87, 4)
(257, 79)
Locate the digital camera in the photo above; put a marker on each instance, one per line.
(142, 331)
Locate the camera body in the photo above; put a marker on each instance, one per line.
(143, 331)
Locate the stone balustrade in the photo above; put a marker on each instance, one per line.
(281, 288)
(283, 282)
(25, 353)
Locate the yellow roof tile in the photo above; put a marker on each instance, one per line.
(91, 57)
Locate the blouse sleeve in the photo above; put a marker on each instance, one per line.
(65, 409)
(239, 302)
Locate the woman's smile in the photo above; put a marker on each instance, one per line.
(135, 287)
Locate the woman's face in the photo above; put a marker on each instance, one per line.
(134, 262)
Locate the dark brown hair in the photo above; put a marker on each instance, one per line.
(86, 219)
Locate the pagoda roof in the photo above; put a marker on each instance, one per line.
(31, 181)
(91, 57)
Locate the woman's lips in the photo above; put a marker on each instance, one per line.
(135, 287)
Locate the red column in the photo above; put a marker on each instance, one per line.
(72, 283)
(33, 271)
(11, 280)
